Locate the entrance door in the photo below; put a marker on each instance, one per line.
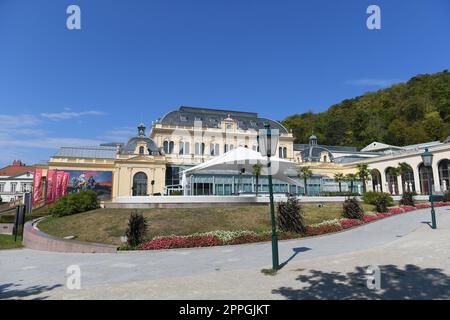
(140, 184)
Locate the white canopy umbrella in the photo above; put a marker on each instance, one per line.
(244, 158)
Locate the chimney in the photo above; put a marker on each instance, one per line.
(17, 163)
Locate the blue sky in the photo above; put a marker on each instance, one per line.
(136, 60)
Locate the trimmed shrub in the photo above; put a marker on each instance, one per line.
(352, 209)
(382, 203)
(74, 203)
(371, 197)
(137, 229)
(407, 198)
(446, 196)
(290, 216)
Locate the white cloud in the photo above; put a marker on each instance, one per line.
(65, 115)
(121, 134)
(8, 122)
(49, 142)
(372, 82)
(24, 137)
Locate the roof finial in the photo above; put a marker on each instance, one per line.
(141, 130)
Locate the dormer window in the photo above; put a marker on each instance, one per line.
(141, 150)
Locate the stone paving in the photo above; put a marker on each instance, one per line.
(414, 261)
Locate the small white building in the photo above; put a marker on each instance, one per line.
(15, 180)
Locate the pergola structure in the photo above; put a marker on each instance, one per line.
(242, 160)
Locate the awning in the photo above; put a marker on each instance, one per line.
(244, 158)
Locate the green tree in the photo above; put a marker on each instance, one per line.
(257, 172)
(339, 178)
(363, 174)
(434, 126)
(406, 113)
(304, 173)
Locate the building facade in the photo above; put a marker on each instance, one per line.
(15, 180)
(150, 164)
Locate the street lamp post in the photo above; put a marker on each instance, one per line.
(267, 140)
(427, 158)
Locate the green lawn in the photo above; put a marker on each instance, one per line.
(37, 213)
(7, 242)
(108, 225)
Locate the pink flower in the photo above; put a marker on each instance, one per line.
(349, 223)
(180, 242)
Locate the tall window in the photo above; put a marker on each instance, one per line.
(141, 150)
(2, 187)
(199, 148)
(168, 147)
(184, 147)
(214, 149)
(282, 152)
(13, 186)
(227, 147)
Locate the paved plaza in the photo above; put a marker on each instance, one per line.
(414, 261)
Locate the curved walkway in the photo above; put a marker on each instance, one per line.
(27, 272)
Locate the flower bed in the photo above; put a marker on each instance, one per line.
(349, 223)
(323, 229)
(221, 237)
(172, 242)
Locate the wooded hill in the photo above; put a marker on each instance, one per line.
(406, 113)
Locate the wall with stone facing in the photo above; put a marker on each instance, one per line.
(35, 239)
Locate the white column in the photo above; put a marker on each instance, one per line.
(416, 180)
(400, 186)
(437, 184)
(383, 181)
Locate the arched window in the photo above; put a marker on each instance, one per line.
(376, 181)
(141, 150)
(140, 184)
(424, 172)
(391, 179)
(408, 178)
(444, 174)
(282, 152)
(168, 147)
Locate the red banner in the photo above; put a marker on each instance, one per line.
(51, 187)
(65, 183)
(37, 186)
(59, 184)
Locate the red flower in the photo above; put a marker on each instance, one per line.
(348, 223)
(325, 228)
(180, 242)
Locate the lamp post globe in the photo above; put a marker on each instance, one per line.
(427, 159)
